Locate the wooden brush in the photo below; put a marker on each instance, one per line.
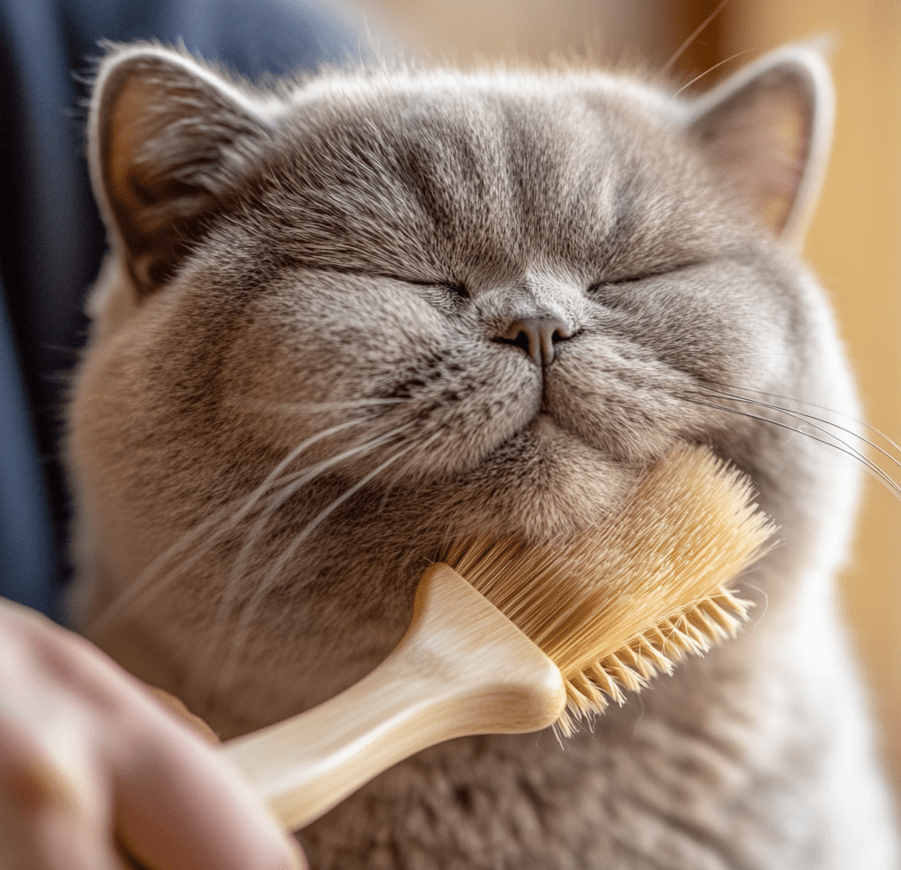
(533, 637)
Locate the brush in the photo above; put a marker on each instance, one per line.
(510, 638)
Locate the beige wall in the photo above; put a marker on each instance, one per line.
(467, 29)
(646, 31)
(855, 242)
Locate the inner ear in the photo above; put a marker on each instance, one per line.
(169, 142)
(768, 131)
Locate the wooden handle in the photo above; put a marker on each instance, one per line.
(462, 668)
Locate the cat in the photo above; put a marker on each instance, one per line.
(348, 319)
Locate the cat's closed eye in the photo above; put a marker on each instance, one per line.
(452, 288)
(617, 283)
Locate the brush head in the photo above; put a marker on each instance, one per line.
(636, 594)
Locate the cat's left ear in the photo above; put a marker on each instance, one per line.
(768, 129)
(169, 142)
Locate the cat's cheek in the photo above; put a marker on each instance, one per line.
(454, 423)
(433, 404)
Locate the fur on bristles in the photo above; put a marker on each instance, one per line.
(639, 592)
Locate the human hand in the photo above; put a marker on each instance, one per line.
(93, 767)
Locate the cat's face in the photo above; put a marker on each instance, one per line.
(386, 311)
(402, 254)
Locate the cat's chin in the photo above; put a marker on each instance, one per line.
(544, 484)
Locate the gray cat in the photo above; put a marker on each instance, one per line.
(349, 320)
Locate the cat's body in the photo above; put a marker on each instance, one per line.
(479, 304)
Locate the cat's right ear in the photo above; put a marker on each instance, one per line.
(168, 141)
(768, 130)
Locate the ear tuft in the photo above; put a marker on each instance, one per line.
(768, 130)
(168, 141)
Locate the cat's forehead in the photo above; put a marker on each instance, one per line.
(488, 170)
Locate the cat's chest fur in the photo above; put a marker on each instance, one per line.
(343, 325)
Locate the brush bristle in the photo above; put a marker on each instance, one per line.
(635, 595)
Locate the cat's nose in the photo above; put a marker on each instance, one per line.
(537, 335)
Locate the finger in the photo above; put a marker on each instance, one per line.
(180, 805)
(176, 706)
(49, 819)
(129, 863)
(54, 840)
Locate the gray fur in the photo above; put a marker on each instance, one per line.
(333, 266)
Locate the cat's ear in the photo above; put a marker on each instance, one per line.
(168, 140)
(768, 129)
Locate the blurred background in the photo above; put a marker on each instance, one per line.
(855, 241)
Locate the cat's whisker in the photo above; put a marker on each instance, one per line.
(863, 424)
(245, 620)
(813, 420)
(757, 617)
(836, 442)
(275, 570)
(307, 476)
(709, 70)
(210, 531)
(869, 466)
(694, 35)
(254, 404)
(239, 567)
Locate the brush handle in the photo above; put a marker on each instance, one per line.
(462, 668)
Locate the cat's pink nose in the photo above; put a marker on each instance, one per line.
(537, 336)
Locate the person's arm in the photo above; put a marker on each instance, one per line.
(93, 767)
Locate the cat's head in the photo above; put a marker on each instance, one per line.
(381, 308)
